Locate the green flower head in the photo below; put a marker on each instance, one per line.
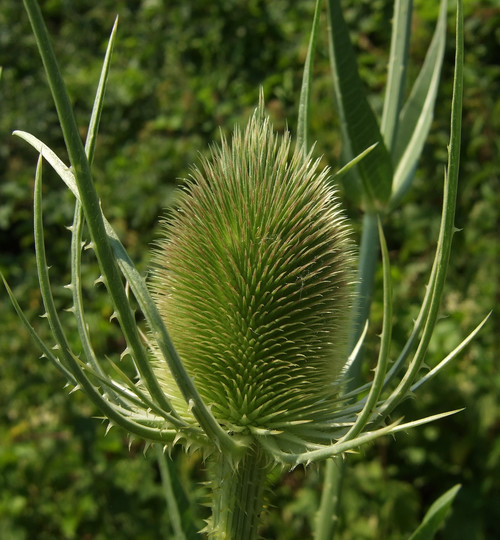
(253, 277)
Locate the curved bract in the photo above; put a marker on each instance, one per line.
(254, 280)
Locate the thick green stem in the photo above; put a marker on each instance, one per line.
(327, 518)
(238, 491)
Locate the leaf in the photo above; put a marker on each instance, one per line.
(95, 116)
(416, 116)
(447, 228)
(358, 122)
(451, 356)
(436, 515)
(398, 61)
(304, 102)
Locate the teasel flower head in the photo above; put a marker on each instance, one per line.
(253, 276)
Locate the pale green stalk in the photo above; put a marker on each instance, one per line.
(172, 506)
(238, 496)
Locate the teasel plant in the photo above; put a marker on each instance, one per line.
(257, 302)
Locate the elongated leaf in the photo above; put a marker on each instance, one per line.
(358, 122)
(346, 446)
(348, 166)
(416, 116)
(435, 516)
(398, 60)
(95, 115)
(447, 228)
(43, 269)
(453, 354)
(78, 221)
(68, 359)
(304, 102)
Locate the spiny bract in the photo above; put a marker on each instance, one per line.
(253, 278)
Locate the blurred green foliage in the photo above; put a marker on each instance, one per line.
(182, 71)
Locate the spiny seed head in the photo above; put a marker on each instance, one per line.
(253, 277)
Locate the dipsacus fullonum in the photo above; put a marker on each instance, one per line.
(253, 276)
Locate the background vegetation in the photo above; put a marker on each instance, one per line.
(181, 72)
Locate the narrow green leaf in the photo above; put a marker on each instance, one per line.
(368, 261)
(43, 268)
(95, 115)
(417, 327)
(453, 354)
(131, 396)
(398, 61)
(436, 515)
(422, 421)
(358, 122)
(329, 451)
(68, 357)
(78, 221)
(54, 161)
(76, 288)
(304, 102)
(342, 446)
(416, 116)
(348, 166)
(447, 227)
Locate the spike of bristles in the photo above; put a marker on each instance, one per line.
(261, 324)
